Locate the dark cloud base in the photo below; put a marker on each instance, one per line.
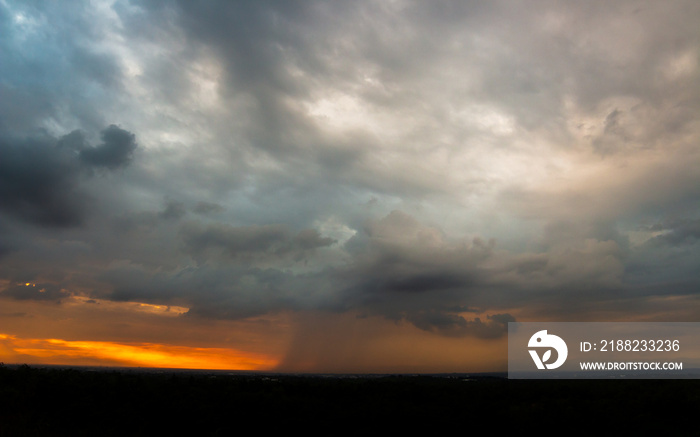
(41, 176)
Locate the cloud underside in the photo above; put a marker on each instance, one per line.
(452, 165)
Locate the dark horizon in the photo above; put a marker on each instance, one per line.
(65, 402)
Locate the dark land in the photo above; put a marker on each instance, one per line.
(57, 401)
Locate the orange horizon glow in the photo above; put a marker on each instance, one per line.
(58, 351)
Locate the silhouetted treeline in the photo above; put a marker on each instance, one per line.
(76, 402)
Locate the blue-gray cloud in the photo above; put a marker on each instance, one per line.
(421, 162)
(41, 176)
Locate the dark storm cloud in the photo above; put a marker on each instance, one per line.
(383, 281)
(41, 176)
(251, 242)
(450, 324)
(206, 208)
(667, 264)
(174, 210)
(405, 270)
(677, 232)
(39, 182)
(400, 269)
(400, 266)
(116, 150)
(5, 248)
(30, 291)
(309, 239)
(236, 240)
(214, 291)
(539, 134)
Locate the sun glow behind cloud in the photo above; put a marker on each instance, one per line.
(58, 351)
(163, 310)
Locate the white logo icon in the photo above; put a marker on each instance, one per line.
(543, 340)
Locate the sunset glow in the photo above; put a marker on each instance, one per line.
(56, 351)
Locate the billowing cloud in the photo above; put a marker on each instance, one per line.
(40, 176)
(39, 182)
(116, 150)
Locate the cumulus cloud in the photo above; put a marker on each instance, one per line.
(41, 176)
(39, 182)
(116, 150)
(399, 269)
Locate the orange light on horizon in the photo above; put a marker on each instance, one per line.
(57, 351)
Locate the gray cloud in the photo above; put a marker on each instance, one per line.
(417, 161)
(391, 275)
(495, 326)
(173, 210)
(48, 292)
(205, 208)
(41, 177)
(678, 232)
(39, 182)
(116, 150)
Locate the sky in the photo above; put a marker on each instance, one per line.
(366, 186)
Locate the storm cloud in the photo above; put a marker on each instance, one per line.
(41, 176)
(446, 167)
(115, 151)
